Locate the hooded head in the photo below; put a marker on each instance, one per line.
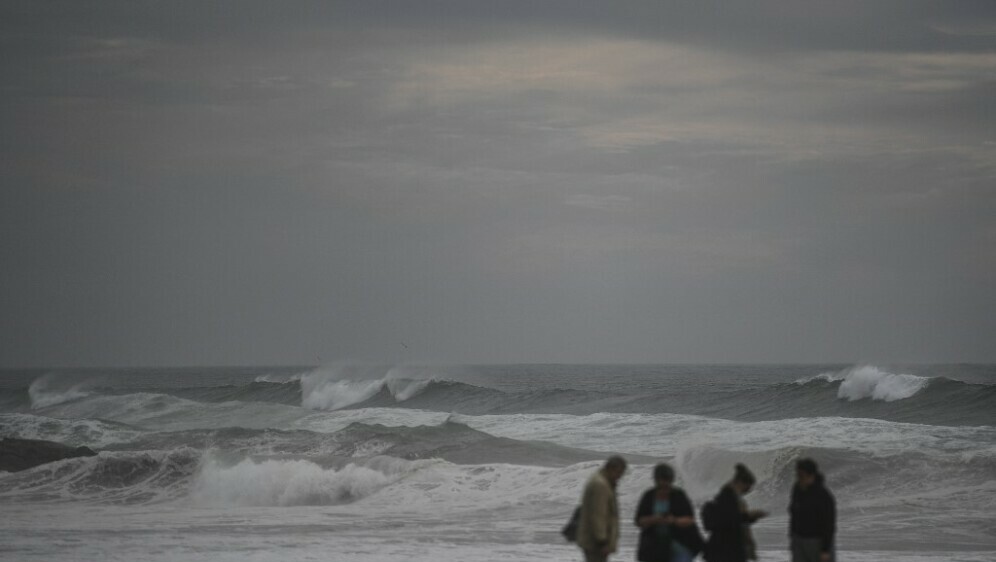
(807, 473)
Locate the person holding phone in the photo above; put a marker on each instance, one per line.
(729, 520)
(666, 518)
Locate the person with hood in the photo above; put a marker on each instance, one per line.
(812, 515)
(598, 523)
(728, 521)
(666, 518)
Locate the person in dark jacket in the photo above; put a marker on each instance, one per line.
(812, 516)
(728, 521)
(666, 518)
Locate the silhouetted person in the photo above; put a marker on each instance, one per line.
(728, 521)
(598, 526)
(812, 515)
(667, 519)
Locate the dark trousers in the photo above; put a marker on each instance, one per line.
(806, 549)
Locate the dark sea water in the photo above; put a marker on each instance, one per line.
(483, 462)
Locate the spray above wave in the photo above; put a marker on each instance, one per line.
(333, 389)
(856, 392)
(863, 392)
(872, 392)
(867, 381)
(43, 393)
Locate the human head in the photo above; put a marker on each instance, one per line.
(806, 472)
(614, 468)
(663, 475)
(743, 479)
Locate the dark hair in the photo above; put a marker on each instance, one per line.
(616, 462)
(807, 465)
(663, 471)
(743, 474)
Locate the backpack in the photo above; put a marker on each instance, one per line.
(709, 515)
(570, 530)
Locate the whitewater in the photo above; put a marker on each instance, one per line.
(480, 463)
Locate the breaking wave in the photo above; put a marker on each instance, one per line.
(328, 389)
(910, 478)
(293, 482)
(214, 477)
(42, 394)
(110, 477)
(471, 448)
(75, 432)
(857, 392)
(868, 381)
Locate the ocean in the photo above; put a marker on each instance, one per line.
(484, 463)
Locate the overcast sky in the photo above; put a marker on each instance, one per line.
(215, 183)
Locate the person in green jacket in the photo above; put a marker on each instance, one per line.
(598, 526)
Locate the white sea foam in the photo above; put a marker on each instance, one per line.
(109, 477)
(403, 389)
(392, 485)
(94, 433)
(444, 487)
(868, 381)
(321, 394)
(43, 395)
(331, 388)
(871, 382)
(330, 422)
(278, 378)
(205, 534)
(666, 434)
(893, 481)
(309, 534)
(292, 482)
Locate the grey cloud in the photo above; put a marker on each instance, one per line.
(263, 183)
(889, 25)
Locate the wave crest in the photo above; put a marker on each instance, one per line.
(75, 432)
(43, 395)
(293, 482)
(868, 381)
(110, 477)
(334, 389)
(871, 382)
